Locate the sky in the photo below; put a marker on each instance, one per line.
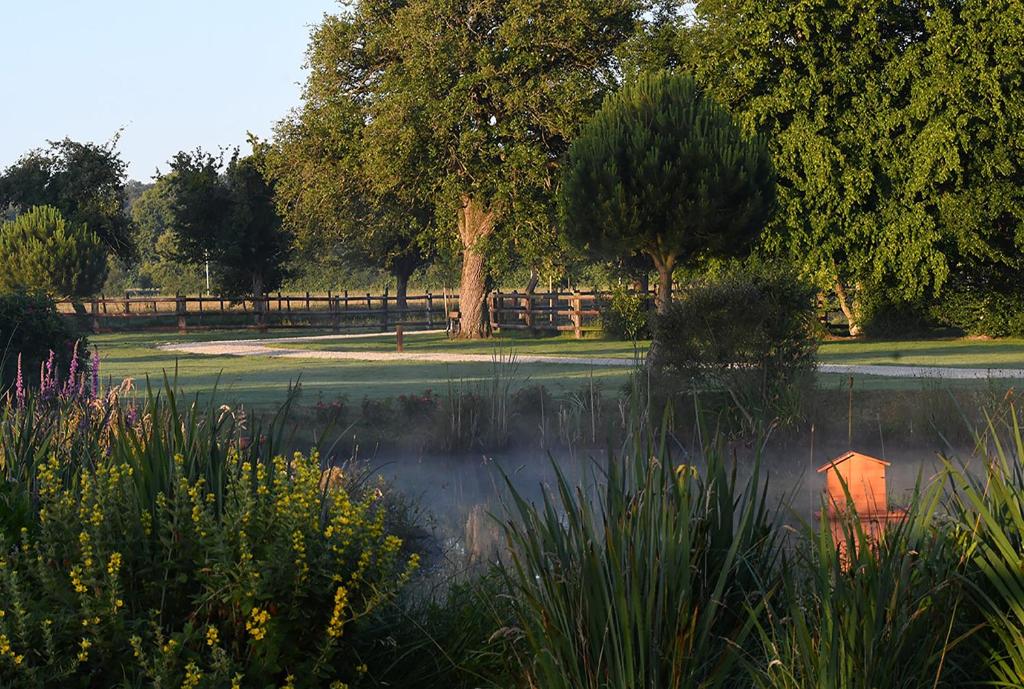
(171, 74)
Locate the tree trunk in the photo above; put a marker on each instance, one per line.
(475, 224)
(258, 302)
(849, 310)
(664, 266)
(531, 286)
(401, 289)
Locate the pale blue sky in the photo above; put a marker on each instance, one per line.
(175, 74)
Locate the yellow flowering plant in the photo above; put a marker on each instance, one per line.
(260, 580)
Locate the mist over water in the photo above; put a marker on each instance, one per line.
(464, 494)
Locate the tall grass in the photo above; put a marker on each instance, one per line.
(865, 617)
(645, 584)
(989, 516)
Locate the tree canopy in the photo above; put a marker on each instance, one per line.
(663, 170)
(226, 214)
(469, 107)
(893, 126)
(84, 181)
(42, 252)
(322, 189)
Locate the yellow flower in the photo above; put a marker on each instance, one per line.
(114, 564)
(83, 653)
(236, 682)
(192, 676)
(256, 625)
(212, 636)
(337, 623)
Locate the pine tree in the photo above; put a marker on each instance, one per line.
(663, 170)
(41, 252)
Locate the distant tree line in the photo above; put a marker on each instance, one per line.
(875, 145)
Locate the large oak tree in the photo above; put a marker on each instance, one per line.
(469, 105)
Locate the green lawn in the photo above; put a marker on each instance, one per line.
(263, 382)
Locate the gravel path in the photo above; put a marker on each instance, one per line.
(259, 348)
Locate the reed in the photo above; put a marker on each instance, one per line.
(644, 584)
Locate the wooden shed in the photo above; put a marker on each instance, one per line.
(864, 479)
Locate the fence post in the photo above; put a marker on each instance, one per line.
(577, 317)
(384, 302)
(430, 308)
(528, 316)
(181, 308)
(399, 338)
(127, 304)
(95, 315)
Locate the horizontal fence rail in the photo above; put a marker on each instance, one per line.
(337, 311)
(578, 312)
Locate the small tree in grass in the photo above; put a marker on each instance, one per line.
(663, 170)
(41, 252)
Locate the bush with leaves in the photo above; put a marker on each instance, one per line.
(161, 555)
(31, 328)
(626, 315)
(41, 252)
(983, 303)
(751, 331)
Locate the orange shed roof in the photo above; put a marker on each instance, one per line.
(846, 456)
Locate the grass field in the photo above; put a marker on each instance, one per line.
(263, 382)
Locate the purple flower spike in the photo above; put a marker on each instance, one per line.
(71, 386)
(95, 371)
(19, 387)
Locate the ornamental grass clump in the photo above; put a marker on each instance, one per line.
(890, 615)
(989, 511)
(648, 583)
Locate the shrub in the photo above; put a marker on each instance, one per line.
(752, 333)
(41, 252)
(626, 315)
(31, 327)
(886, 315)
(984, 304)
(142, 565)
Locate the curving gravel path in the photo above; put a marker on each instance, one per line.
(258, 348)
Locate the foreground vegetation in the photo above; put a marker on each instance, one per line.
(154, 541)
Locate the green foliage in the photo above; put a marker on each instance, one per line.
(41, 252)
(989, 515)
(469, 108)
(85, 182)
(989, 302)
(228, 217)
(322, 188)
(886, 176)
(663, 170)
(866, 617)
(645, 584)
(210, 566)
(626, 315)
(31, 328)
(751, 331)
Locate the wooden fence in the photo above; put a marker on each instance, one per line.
(577, 312)
(341, 310)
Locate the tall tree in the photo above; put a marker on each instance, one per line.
(894, 128)
(322, 190)
(469, 106)
(85, 181)
(662, 170)
(226, 215)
